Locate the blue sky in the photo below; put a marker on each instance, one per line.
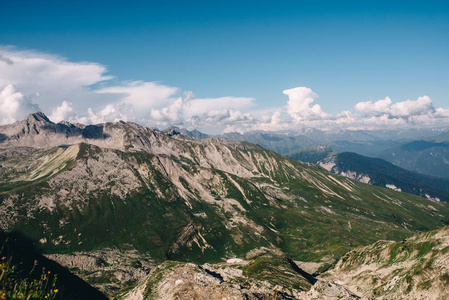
(345, 52)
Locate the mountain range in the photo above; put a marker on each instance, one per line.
(364, 142)
(374, 171)
(430, 156)
(116, 201)
(424, 151)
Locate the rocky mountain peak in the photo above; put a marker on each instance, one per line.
(172, 131)
(37, 131)
(37, 117)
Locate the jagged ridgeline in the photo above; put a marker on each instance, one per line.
(73, 187)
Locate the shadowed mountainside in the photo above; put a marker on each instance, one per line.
(25, 257)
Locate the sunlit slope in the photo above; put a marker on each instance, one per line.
(415, 268)
(185, 199)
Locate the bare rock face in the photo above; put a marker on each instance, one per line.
(329, 291)
(175, 280)
(230, 280)
(108, 270)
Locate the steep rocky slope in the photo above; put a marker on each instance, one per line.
(415, 268)
(123, 187)
(262, 278)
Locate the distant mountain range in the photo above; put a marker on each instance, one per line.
(429, 156)
(365, 142)
(113, 200)
(425, 151)
(279, 143)
(374, 171)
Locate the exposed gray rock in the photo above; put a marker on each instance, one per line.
(109, 269)
(415, 268)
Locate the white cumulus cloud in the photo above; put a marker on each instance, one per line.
(169, 114)
(14, 105)
(64, 112)
(110, 113)
(374, 108)
(191, 112)
(298, 105)
(421, 106)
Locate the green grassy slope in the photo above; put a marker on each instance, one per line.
(204, 201)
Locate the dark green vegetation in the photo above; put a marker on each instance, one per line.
(379, 171)
(311, 154)
(278, 271)
(14, 286)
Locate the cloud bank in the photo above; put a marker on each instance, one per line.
(84, 92)
(421, 106)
